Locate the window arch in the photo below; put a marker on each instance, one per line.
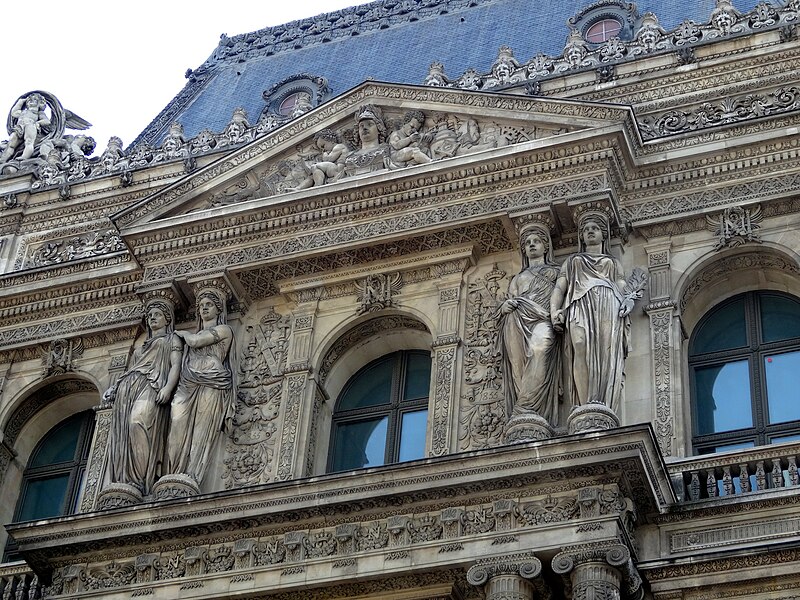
(54, 476)
(744, 359)
(382, 413)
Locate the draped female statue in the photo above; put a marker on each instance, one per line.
(205, 396)
(591, 304)
(529, 346)
(140, 397)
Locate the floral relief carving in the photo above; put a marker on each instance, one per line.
(88, 245)
(250, 449)
(725, 111)
(482, 404)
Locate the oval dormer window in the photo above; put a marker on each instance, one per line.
(603, 30)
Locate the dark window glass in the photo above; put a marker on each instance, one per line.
(53, 479)
(381, 416)
(724, 330)
(780, 318)
(723, 397)
(745, 364)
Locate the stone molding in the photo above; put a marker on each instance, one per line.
(628, 450)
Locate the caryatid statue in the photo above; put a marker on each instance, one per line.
(204, 400)
(591, 304)
(530, 348)
(140, 412)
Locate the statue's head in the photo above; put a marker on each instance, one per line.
(35, 100)
(211, 306)
(594, 227)
(369, 123)
(535, 231)
(414, 116)
(159, 314)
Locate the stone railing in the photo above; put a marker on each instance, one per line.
(17, 582)
(736, 473)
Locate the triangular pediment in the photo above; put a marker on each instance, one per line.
(292, 162)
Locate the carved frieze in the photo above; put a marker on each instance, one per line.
(250, 450)
(482, 401)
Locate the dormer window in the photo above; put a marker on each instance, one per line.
(603, 30)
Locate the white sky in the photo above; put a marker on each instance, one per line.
(117, 64)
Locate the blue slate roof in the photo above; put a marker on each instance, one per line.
(386, 40)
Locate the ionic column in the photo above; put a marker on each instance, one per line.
(598, 572)
(509, 578)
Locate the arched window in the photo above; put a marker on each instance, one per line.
(381, 415)
(744, 358)
(53, 479)
(602, 31)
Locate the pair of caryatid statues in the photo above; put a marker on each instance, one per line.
(170, 405)
(565, 331)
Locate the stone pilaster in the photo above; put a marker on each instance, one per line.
(661, 310)
(300, 392)
(516, 577)
(598, 572)
(445, 352)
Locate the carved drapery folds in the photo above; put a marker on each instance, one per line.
(591, 304)
(530, 348)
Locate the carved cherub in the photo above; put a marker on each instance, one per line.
(406, 141)
(328, 165)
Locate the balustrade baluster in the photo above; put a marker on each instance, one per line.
(761, 476)
(744, 478)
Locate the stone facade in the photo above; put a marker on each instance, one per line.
(384, 219)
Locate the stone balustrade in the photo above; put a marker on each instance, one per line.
(17, 582)
(736, 473)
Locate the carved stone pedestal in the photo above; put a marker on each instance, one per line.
(527, 428)
(591, 417)
(116, 495)
(175, 486)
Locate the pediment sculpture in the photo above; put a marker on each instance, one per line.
(380, 139)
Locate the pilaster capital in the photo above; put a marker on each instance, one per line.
(526, 566)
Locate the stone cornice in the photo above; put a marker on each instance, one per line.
(629, 454)
(582, 114)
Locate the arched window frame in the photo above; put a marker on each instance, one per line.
(755, 351)
(396, 407)
(74, 468)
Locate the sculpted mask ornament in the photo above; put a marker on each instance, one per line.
(530, 350)
(590, 304)
(140, 411)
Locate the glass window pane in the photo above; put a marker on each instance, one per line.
(780, 318)
(412, 435)
(60, 443)
(44, 498)
(360, 444)
(371, 387)
(779, 439)
(418, 376)
(723, 397)
(783, 383)
(724, 330)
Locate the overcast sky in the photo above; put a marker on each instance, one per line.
(118, 64)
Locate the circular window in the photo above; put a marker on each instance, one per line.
(603, 31)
